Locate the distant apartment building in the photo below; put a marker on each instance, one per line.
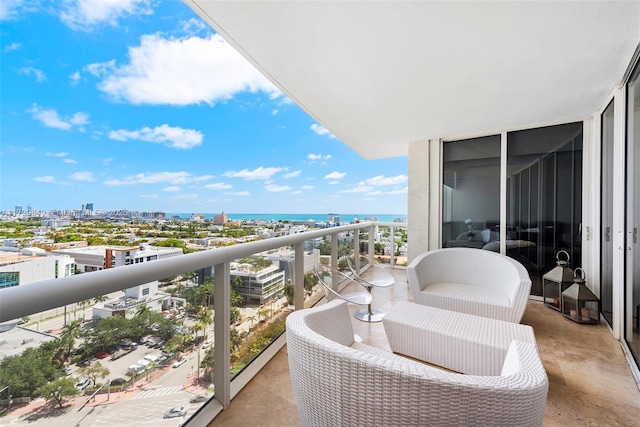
(259, 285)
(286, 261)
(220, 219)
(55, 223)
(135, 297)
(153, 215)
(334, 220)
(94, 258)
(32, 265)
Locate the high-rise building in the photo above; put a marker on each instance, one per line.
(89, 206)
(18, 209)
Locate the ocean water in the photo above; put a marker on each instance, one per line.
(296, 217)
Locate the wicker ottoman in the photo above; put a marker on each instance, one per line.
(461, 342)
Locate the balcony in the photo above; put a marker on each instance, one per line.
(590, 381)
(589, 378)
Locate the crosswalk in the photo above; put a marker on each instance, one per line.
(158, 392)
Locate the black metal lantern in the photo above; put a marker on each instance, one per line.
(556, 281)
(579, 303)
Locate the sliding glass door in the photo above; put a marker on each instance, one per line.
(606, 214)
(471, 193)
(632, 282)
(543, 198)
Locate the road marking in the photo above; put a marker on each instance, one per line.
(158, 392)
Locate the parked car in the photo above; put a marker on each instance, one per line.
(83, 383)
(202, 397)
(102, 354)
(67, 371)
(178, 411)
(118, 381)
(181, 360)
(207, 343)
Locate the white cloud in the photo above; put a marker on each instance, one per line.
(50, 118)
(69, 161)
(84, 176)
(180, 71)
(296, 192)
(258, 173)
(87, 14)
(307, 187)
(321, 130)
(11, 46)
(293, 174)
(238, 193)
(48, 178)
(193, 27)
(75, 78)
(218, 186)
(38, 74)
(313, 158)
(335, 175)
(149, 196)
(382, 180)
(13, 8)
(334, 182)
(157, 178)
(275, 112)
(272, 188)
(107, 161)
(175, 137)
(60, 154)
(172, 188)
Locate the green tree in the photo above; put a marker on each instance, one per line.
(58, 390)
(289, 292)
(310, 281)
(94, 371)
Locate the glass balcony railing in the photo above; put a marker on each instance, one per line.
(147, 342)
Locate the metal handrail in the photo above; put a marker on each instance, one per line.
(24, 300)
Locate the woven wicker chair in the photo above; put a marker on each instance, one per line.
(471, 281)
(337, 382)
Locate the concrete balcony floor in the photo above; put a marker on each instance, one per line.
(590, 382)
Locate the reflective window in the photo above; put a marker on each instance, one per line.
(471, 193)
(544, 198)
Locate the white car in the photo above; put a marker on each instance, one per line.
(83, 383)
(179, 362)
(207, 343)
(178, 411)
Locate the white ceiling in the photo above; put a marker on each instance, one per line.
(379, 75)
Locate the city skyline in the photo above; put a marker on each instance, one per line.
(138, 104)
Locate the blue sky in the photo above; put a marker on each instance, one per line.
(137, 104)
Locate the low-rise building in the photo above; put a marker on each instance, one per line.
(259, 284)
(32, 265)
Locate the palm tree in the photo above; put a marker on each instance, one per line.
(251, 320)
(70, 332)
(84, 304)
(142, 309)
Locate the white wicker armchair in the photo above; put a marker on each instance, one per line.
(337, 382)
(471, 281)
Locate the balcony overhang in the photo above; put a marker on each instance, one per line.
(379, 75)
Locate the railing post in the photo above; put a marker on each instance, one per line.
(392, 258)
(222, 334)
(334, 260)
(356, 250)
(298, 276)
(372, 244)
